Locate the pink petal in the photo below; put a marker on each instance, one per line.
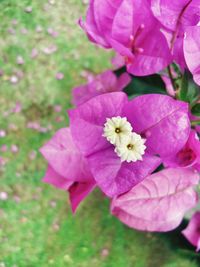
(78, 192)
(104, 83)
(64, 157)
(91, 116)
(188, 156)
(155, 56)
(115, 177)
(159, 202)
(192, 232)
(90, 27)
(170, 12)
(163, 120)
(192, 51)
(123, 81)
(104, 12)
(122, 29)
(53, 178)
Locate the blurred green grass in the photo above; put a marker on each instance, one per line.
(36, 224)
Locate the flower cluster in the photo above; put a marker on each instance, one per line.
(137, 138)
(128, 146)
(149, 35)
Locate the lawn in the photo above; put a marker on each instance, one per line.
(43, 55)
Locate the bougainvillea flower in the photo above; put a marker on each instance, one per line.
(176, 16)
(173, 14)
(192, 51)
(188, 156)
(159, 202)
(103, 83)
(162, 121)
(67, 168)
(134, 34)
(192, 232)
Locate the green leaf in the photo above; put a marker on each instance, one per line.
(196, 110)
(183, 94)
(152, 84)
(189, 91)
(193, 92)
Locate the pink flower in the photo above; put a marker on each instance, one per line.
(33, 125)
(59, 76)
(32, 155)
(14, 149)
(50, 49)
(192, 51)
(188, 156)
(4, 148)
(150, 116)
(67, 168)
(134, 34)
(52, 32)
(28, 9)
(24, 31)
(20, 60)
(3, 161)
(103, 83)
(160, 202)
(3, 196)
(17, 108)
(14, 79)
(192, 232)
(176, 17)
(57, 108)
(2, 133)
(34, 53)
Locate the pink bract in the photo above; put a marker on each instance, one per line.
(160, 119)
(67, 168)
(192, 51)
(159, 202)
(106, 82)
(188, 156)
(192, 232)
(134, 34)
(176, 16)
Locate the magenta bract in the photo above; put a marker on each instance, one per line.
(134, 34)
(188, 156)
(192, 232)
(67, 168)
(160, 119)
(177, 16)
(192, 51)
(106, 82)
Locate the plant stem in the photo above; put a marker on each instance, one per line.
(195, 123)
(171, 77)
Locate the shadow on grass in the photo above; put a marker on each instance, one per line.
(179, 242)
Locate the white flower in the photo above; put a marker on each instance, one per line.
(116, 129)
(131, 149)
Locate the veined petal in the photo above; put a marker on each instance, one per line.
(159, 202)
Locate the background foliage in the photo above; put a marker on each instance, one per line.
(43, 54)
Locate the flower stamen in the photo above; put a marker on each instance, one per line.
(130, 147)
(117, 130)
